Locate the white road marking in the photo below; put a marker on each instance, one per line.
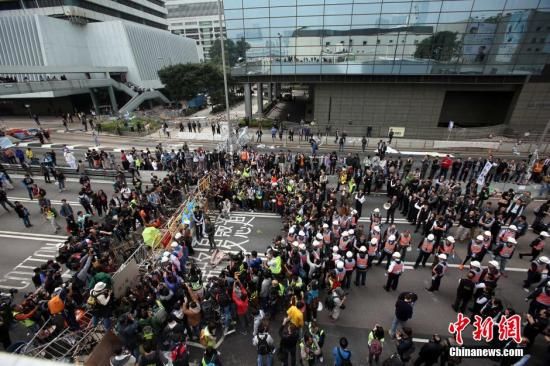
(28, 200)
(33, 234)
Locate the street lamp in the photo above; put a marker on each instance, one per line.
(280, 54)
(28, 106)
(229, 127)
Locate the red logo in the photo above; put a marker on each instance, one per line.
(508, 327)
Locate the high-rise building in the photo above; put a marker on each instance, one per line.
(415, 64)
(147, 12)
(196, 19)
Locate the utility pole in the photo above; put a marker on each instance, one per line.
(229, 124)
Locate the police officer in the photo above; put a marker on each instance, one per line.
(394, 272)
(426, 249)
(361, 265)
(534, 274)
(540, 299)
(464, 293)
(536, 245)
(349, 266)
(475, 250)
(372, 251)
(438, 271)
(389, 248)
(504, 252)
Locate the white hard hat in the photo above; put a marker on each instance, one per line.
(374, 241)
(178, 235)
(544, 234)
(430, 237)
(302, 246)
(335, 249)
(335, 222)
(351, 232)
(166, 254)
(512, 240)
(353, 212)
(316, 243)
(513, 227)
(487, 233)
(345, 233)
(301, 233)
(325, 226)
(475, 264)
(164, 259)
(391, 238)
(339, 264)
(442, 256)
(377, 228)
(450, 239)
(363, 249)
(291, 231)
(349, 254)
(377, 210)
(494, 263)
(396, 255)
(319, 236)
(544, 259)
(295, 244)
(479, 237)
(174, 244)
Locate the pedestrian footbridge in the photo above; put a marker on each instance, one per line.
(57, 81)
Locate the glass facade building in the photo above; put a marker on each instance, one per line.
(395, 37)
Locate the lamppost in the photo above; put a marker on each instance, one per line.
(28, 107)
(229, 126)
(280, 54)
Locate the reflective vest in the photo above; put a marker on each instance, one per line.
(397, 268)
(349, 264)
(539, 267)
(487, 243)
(475, 248)
(344, 222)
(361, 262)
(427, 246)
(376, 235)
(507, 234)
(276, 266)
(336, 233)
(389, 247)
(506, 251)
(246, 173)
(543, 298)
(340, 274)
(343, 244)
(327, 238)
(372, 249)
(26, 322)
(244, 155)
(447, 248)
(404, 241)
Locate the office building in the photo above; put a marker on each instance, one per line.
(415, 64)
(195, 19)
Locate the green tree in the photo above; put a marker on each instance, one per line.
(232, 51)
(185, 81)
(442, 46)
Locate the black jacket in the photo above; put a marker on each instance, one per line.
(403, 310)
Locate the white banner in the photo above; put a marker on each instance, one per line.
(484, 172)
(438, 144)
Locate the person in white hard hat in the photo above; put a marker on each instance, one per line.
(372, 251)
(504, 252)
(389, 248)
(361, 265)
(475, 249)
(375, 218)
(426, 249)
(540, 299)
(536, 269)
(490, 275)
(394, 271)
(537, 246)
(438, 271)
(340, 271)
(404, 243)
(349, 266)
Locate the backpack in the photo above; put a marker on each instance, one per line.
(179, 352)
(263, 346)
(91, 302)
(344, 361)
(375, 347)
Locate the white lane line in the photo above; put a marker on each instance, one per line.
(429, 264)
(24, 237)
(260, 255)
(28, 200)
(70, 180)
(421, 340)
(49, 236)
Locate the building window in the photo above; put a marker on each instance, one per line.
(537, 49)
(541, 40)
(529, 49)
(364, 43)
(391, 40)
(533, 40)
(538, 29)
(327, 44)
(377, 41)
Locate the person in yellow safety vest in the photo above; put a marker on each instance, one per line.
(352, 186)
(504, 252)
(394, 271)
(246, 172)
(207, 335)
(426, 249)
(361, 265)
(389, 248)
(290, 186)
(475, 248)
(534, 274)
(438, 271)
(540, 299)
(275, 264)
(349, 266)
(25, 318)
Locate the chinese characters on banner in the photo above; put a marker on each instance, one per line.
(508, 327)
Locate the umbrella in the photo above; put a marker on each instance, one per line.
(150, 236)
(7, 141)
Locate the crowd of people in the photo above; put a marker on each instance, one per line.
(323, 251)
